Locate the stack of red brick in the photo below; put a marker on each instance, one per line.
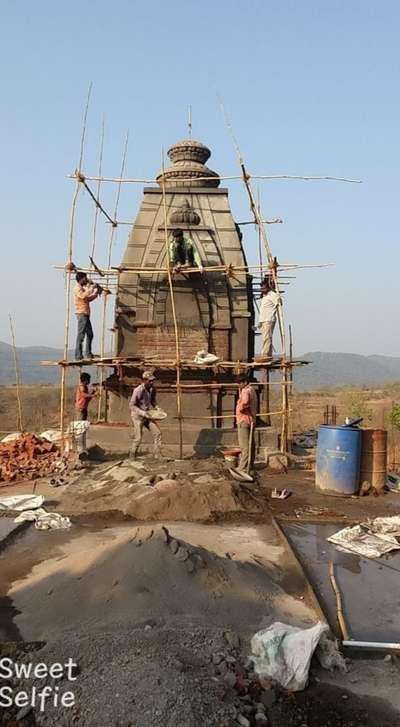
(28, 458)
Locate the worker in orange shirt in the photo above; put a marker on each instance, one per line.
(84, 293)
(84, 396)
(246, 414)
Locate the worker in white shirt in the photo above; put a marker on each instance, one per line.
(267, 317)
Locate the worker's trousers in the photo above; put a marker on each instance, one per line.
(247, 448)
(138, 425)
(84, 330)
(267, 331)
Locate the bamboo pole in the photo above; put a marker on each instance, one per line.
(68, 272)
(105, 296)
(176, 330)
(96, 209)
(276, 221)
(232, 177)
(339, 605)
(17, 376)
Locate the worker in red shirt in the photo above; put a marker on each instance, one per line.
(246, 414)
(83, 397)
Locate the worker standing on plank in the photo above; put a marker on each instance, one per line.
(84, 293)
(143, 399)
(267, 316)
(246, 414)
(83, 397)
(182, 251)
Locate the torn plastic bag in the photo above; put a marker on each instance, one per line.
(44, 520)
(283, 653)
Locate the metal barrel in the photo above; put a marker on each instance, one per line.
(338, 460)
(373, 466)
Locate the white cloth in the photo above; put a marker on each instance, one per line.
(269, 304)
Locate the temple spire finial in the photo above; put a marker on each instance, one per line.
(190, 121)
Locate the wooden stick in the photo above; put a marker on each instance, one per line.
(188, 182)
(339, 606)
(231, 416)
(251, 435)
(276, 221)
(17, 376)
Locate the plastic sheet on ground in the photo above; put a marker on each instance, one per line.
(52, 435)
(11, 437)
(44, 520)
(370, 539)
(283, 653)
(21, 502)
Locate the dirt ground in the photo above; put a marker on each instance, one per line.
(145, 612)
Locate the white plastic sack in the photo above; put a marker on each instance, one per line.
(44, 520)
(52, 435)
(21, 502)
(283, 653)
(11, 437)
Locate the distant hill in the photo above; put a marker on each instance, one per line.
(341, 369)
(29, 358)
(326, 369)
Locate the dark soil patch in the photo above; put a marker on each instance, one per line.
(328, 706)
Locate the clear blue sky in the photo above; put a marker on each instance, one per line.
(311, 87)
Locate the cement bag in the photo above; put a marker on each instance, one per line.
(283, 653)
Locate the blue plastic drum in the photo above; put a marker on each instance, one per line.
(338, 460)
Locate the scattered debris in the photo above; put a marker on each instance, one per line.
(280, 494)
(370, 539)
(393, 482)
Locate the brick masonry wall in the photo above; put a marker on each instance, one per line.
(160, 341)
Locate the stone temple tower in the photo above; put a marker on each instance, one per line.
(214, 309)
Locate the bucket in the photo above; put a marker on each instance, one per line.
(338, 460)
(373, 457)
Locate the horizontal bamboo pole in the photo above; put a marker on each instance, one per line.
(187, 182)
(207, 269)
(232, 416)
(277, 221)
(130, 362)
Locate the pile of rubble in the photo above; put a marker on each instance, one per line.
(29, 457)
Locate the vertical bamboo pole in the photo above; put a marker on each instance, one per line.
(176, 329)
(17, 376)
(105, 295)
(291, 358)
(285, 410)
(68, 273)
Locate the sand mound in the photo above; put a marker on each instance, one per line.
(134, 491)
(138, 575)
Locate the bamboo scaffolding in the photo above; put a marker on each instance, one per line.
(228, 269)
(17, 376)
(105, 296)
(68, 272)
(277, 221)
(176, 329)
(232, 177)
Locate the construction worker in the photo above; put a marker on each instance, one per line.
(182, 251)
(84, 293)
(143, 399)
(246, 414)
(83, 397)
(267, 317)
